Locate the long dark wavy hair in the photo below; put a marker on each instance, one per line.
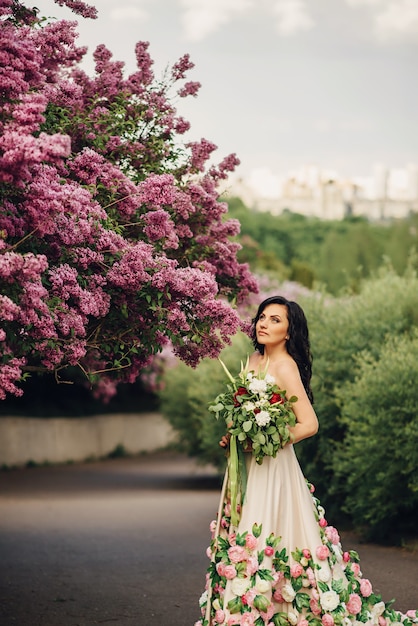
(298, 344)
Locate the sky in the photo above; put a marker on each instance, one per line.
(285, 83)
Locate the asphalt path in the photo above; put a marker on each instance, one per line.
(123, 542)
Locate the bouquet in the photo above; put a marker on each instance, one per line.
(257, 416)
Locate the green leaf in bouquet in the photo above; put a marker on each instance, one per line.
(216, 407)
(247, 426)
(260, 438)
(268, 449)
(242, 436)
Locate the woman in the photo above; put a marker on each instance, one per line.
(283, 564)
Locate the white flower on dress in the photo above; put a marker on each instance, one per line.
(377, 609)
(288, 593)
(337, 552)
(203, 598)
(292, 617)
(262, 418)
(258, 385)
(262, 585)
(324, 575)
(240, 585)
(330, 600)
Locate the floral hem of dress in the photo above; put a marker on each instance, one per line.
(269, 587)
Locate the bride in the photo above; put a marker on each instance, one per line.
(282, 563)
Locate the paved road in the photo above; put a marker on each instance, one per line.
(123, 542)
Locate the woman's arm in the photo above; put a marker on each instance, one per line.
(288, 378)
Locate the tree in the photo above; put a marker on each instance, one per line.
(113, 240)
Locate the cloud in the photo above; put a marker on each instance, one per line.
(397, 20)
(292, 16)
(356, 3)
(203, 17)
(128, 12)
(392, 19)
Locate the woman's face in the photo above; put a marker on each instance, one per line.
(272, 325)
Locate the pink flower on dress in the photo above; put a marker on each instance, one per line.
(354, 604)
(322, 552)
(251, 542)
(249, 596)
(247, 619)
(237, 554)
(366, 588)
(296, 570)
(252, 565)
(311, 576)
(332, 535)
(383, 621)
(355, 567)
(230, 572)
(303, 622)
(306, 553)
(346, 557)
(277, 596)
(323, 522)
(327, 620)
(269, 551)
(220, 616)
(314, 606)
(220, 568)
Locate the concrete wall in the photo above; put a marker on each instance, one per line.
(58, 440)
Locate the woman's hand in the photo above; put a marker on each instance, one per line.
(224, 442)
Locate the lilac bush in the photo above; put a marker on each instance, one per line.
(113, 240)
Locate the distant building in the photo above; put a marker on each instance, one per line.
(311, 192)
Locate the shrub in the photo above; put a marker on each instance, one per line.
(185, 398)
(378, 459)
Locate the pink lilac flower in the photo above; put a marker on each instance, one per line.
(182, 66)
(79, 7)
(189, 89)
(10, 373)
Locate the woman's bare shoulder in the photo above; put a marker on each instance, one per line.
(254, 360)
(285, 370)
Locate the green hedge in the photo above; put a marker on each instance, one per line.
(185, 397)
